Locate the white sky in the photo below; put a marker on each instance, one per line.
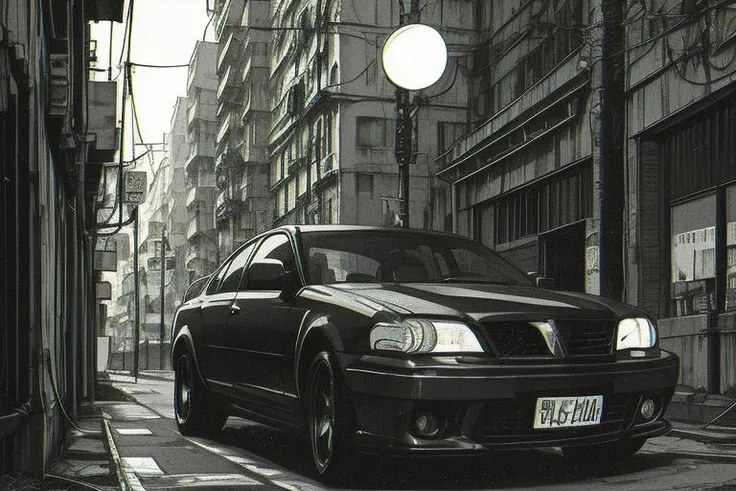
(164, 33)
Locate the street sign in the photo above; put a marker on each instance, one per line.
(136, 183)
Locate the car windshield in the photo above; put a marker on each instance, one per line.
(367, 256)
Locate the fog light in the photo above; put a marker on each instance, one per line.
(426, 424)
(647, 408)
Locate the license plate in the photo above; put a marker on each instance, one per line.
(568, 412)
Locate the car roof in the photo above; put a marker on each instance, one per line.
(361, 228)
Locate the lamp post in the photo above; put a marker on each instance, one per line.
(163, 278)
(414, 57)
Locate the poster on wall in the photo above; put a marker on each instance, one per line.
(592, 283)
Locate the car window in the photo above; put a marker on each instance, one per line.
(215, 283)
(403, 258)
(231, 280)
(328, 265)
(277, 247)
(195, 289)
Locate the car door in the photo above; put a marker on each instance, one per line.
(263, 336)
(214, 346)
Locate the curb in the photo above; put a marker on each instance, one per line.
(126, 478)
(715, 434)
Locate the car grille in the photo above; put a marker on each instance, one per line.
(517, 339)
(512, 421)
(579, 337)
(586, 338)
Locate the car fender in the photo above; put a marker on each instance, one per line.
(185, 336)
(314, 325)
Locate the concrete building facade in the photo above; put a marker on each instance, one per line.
(242, 205)
(681, 186)
(331, 139)
(57, 129)
(201, 234)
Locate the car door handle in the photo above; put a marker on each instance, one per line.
(234, 309)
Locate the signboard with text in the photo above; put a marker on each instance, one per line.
(135, 187)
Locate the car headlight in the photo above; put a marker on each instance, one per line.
(636, 333)
(423, 336)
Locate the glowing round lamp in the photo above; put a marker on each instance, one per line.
(414, 56)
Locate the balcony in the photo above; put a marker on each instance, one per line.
(199, 194)
(257, 62)
(254, 99)
(201, 225)
(229, 48)
(228, 132)
(229, 16)
(253, 153)
(199, 152)
(229, 86)
(226, 207)
(200, 111)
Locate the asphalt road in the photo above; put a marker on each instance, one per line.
(248, 454)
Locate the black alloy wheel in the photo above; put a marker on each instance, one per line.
(182, 390)
(327, 414)
(195, 414)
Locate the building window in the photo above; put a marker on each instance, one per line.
(694, 258)
(448, 133)
(731, 248)
(517, 216)
(364, 185)
(374, 133)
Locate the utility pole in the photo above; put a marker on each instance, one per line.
(163, 277)
(611, 150)
(136, 297)
(403, 143)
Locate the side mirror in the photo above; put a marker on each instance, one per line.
(267, 274)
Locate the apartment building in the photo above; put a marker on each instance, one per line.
(242, 202)
(331, 138)
(202, 256)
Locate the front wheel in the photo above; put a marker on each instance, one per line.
(195, 415)
(609, 452)
(328, 415)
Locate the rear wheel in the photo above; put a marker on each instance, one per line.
(328, 415)
(195, 415)
(612, 451)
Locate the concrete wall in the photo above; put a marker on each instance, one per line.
(686, 337)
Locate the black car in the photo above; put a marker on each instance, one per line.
(413, 342)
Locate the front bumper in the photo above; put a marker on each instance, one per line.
(483, 405)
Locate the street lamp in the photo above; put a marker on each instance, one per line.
(414, 57)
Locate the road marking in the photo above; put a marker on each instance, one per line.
(176, 481)
(134, 431)
(262, 471)
(239, 460)
(143, 466)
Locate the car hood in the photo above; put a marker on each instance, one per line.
(482, 302)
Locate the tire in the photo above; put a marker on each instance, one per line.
(195, 415)
(619, 451)
(329, 421)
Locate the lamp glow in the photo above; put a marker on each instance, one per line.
(414, 56)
